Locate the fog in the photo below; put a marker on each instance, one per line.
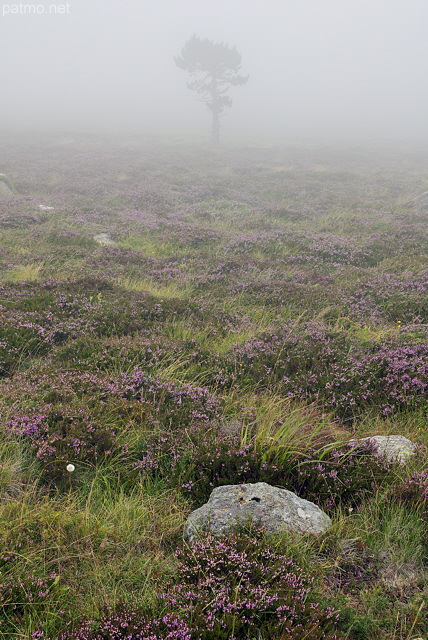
(336, 68)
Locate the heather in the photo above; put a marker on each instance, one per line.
(226, 588)
(252, 311)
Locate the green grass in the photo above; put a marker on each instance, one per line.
(32, 272)
(147, 245)
(166, 291)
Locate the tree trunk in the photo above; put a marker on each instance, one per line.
(215, 136)
(215, 110)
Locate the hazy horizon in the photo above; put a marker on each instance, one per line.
(317, 70)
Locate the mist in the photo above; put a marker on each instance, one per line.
(332, 69)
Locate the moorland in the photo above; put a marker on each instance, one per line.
(176, 317)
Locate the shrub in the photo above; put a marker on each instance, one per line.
(343, 475)
(331, 368)
(18, 342)
(127, 622)
(175, 404)
(148, 351)
(59, 436)
(21, 592)
(414, 492)
(21, 596)
(228, 588)
(233, 586)
(198, 460)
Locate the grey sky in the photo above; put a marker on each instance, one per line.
(316, 67)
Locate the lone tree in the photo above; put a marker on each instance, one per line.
(215, 67)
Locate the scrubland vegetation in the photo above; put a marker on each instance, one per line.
(254, 310)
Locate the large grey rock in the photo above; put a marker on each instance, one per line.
(394, 448)
(421, 202)
(274, 508)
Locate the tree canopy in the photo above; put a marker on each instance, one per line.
(215, 68)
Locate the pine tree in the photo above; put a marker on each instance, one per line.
(215, 68)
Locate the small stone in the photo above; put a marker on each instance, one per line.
(394, 448)
(103, 238)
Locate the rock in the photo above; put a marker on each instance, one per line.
(42, 207)
(394, 448)
(421, 202)
(103, 238)
(274, 508)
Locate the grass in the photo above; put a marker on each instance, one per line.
(31, 272)
(103, 545)
(281, 427)
(408, 424)
(159, 291)
(249, 315)
(147, 246)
